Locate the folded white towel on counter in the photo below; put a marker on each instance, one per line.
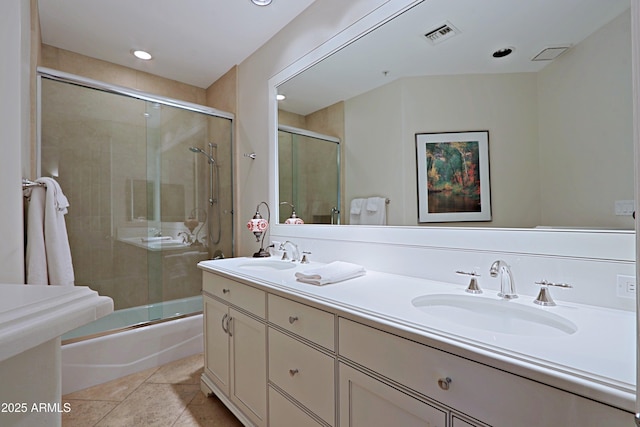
(333, 272)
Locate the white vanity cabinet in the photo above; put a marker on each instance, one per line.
(278, 357)
(467, 390)
(302, 364)
(235, 345)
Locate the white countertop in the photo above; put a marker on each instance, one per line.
(31, 315)
(598, 361)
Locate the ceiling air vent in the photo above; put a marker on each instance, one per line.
(550, 53)
(442, 33)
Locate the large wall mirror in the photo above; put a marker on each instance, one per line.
(560, 127)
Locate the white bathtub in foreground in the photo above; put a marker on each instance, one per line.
(98, 360)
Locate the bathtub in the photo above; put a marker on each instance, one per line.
(129, 341)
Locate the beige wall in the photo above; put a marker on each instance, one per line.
(586, 130)
(15, 21)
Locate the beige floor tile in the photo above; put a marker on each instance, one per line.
(85, 413)
(152, 405)
(208, 413)
(183, 371)
(116, 390)
(166, 396)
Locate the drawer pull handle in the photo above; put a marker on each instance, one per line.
(224, 318)
(293, 319)
(444, 383)
(225, 291)
(292, 372)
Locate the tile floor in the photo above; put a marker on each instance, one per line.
(168, 395)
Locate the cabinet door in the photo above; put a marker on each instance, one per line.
(248, 365)
(216, 343)
(284, 413)
(367, 402)
(459, 422)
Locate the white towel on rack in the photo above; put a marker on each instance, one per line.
(375, 212)
(355, 211)
(356, 206)
(372, 204)
(333, 272)
(48, 255)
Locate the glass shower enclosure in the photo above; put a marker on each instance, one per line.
(308, 176)
(149, 182)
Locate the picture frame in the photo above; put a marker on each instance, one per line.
(453, 176)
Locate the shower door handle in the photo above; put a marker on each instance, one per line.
(225, 318)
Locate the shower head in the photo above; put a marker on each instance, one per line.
(199, 150)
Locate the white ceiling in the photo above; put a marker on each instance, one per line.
(400, 48)
(192, 41)
(197, 41)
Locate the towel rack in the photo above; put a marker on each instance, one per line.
(386, 200)
(27, 183)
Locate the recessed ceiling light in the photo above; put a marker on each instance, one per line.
(141, 54)
(261, 2)
(280, 97)
(501, 53)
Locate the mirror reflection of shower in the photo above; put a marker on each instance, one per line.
(214, 191)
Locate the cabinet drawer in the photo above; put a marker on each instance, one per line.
(308, 322)
(284, 413)
(474, 388)
(236, 293)
(304, 373)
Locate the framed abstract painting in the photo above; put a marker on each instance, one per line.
(453, 176)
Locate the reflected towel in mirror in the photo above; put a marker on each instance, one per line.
(375, 212)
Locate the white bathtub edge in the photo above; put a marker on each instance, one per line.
(102, 359)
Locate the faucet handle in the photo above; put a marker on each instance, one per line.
(544, 296)
(285, 256)
(304, 259)
(473, 287)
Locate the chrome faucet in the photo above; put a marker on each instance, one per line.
(507, 284)
(295, 256)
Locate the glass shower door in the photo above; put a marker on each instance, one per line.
(309, 176)
(143, 210)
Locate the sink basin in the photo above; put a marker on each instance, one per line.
(494, 315)
(266, 265)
